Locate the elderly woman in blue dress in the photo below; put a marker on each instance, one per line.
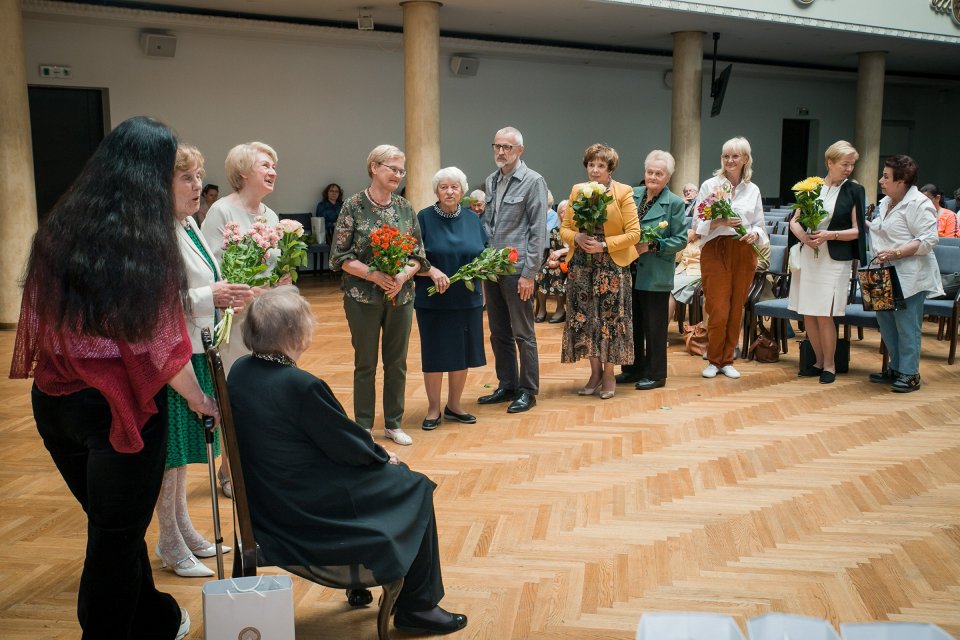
(904, 234)
(450, 322)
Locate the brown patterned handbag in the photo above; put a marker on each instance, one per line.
(880, 287)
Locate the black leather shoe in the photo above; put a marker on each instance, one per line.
(465, 418)
(430, 425)
(827, 377)
(905, 383)
(810, 372)
(500, 395)
(628, 377)
(557, 319)
(524, 402)
(646, 384)
(414, 623)
(359, 597)
(887, 376)
(540, 317)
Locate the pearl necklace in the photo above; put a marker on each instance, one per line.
(444, 214)
(279, 358)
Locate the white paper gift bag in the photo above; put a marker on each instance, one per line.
(893, 631)
(319, 229)
(687, 626)
(252, 608)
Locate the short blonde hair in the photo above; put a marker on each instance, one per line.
(240, 159)
(450, 173)
(663, 156)
(742, 146)
(838, 150)
(278, 321)
(603, 152)
(380, 154)
(188, 156)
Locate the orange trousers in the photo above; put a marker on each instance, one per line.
(727, 267)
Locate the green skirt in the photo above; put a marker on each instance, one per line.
(185, 441)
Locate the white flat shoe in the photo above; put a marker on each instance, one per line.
(730, 372)
(188, 567)
(710, 371)
(210, 550)
(184, 625)
(398, 436)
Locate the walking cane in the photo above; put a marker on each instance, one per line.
(208, 429)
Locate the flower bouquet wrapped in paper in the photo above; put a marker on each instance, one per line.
(716, 206)
(489, 265)
(391, 250)
(810, 205)
(590, 208)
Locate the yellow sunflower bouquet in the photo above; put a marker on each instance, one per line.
(812, 213)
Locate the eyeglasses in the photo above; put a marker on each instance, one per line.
(506, 148)
(734, 157)
(400, 172)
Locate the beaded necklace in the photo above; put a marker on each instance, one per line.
(444, 214)
(279, 358)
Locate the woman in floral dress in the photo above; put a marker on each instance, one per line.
(599, 321)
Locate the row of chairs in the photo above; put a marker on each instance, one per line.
(947, 311)
(776, 626)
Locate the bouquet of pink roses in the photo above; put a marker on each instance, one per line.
(293, 250)
(716, 206)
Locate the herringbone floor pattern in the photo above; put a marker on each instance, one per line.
(770, 493)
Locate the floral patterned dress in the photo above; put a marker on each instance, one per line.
(599, 310)
(552, 280)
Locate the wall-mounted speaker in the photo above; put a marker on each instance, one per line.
(158, 45)
(464, 65)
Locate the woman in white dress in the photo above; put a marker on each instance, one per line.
(820, 279)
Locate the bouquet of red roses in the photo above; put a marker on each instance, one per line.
(489, 265)
(391, 250)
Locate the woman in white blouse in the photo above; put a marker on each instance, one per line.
(728, 261)
(904, 234)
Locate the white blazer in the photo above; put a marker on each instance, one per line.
(200, 277)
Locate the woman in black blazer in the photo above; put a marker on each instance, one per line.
(819, 279)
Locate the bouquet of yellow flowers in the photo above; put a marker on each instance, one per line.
(716, 206)
(809, 204)
(590, 208)
(653, 232)
(489, 265)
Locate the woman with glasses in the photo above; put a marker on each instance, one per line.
(727, 259)
(377, 304)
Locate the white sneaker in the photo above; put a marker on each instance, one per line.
(730, 372)
(711, 371)
(398, 436)
(184, 624)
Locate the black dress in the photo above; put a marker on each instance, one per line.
(322, 496)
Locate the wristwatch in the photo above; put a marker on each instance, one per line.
(899, 253)
(603, 244)
(836, 235)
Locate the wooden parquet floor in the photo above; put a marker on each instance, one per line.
(770, 493)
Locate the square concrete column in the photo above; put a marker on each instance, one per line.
(685, 113)
(869, 120)
(18, 216)
(421, 97)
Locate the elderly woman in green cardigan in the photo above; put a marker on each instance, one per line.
(661, 211)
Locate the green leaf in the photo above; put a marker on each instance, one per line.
(469, 285)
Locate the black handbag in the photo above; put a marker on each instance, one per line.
(880, 288)
(842, 356)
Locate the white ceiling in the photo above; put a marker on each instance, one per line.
(590, 24)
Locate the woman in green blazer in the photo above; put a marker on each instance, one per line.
(654, 279)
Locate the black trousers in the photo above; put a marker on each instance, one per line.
(423, 585)
(511, 331)
(118, 491)
(650, 309)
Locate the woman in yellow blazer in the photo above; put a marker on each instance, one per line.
(599, 325)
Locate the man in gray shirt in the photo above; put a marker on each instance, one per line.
(515, 216)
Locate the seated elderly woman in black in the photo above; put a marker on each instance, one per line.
(321, 492)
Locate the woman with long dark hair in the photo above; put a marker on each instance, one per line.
(102, 331)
